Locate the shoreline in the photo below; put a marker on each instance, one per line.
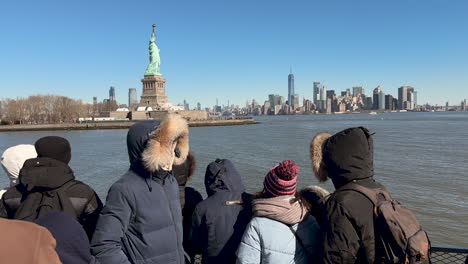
(117, 125)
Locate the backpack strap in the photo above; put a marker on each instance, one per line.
(371, 194)
(308, 254)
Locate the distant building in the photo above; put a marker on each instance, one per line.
(330, 94)
(291, 89)
(322, 103)
(375, 96)
(95, 105)
(281, 100)
(389, 102)
(275, 100)
(395, 104)
(328, 106)
(132, 97)
(295, 101)
(404, 100)
(307, 105)
(381, 100)
(358, 90)
(411, 97)
(112, 94)
(199, 106)
(368, 104)
(317, 88)
(186, 106)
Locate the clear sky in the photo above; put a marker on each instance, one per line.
(234, 50)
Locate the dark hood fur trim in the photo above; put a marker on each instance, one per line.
(171, 136)
(316, 156)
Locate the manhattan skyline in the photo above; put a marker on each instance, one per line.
(235, 51)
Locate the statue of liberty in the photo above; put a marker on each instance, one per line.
(155, 60)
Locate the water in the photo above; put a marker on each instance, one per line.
(422, 158)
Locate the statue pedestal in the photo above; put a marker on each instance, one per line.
(154, 91)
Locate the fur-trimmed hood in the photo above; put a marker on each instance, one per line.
(154, 145)
(343, 157)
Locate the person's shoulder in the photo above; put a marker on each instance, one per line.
(192, 195)
(18, 228)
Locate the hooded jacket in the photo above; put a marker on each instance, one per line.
(24, 243)
(12, 161)
(72, 242)
(46, 185)
(268, 238)
(220, 220)
(142, 220)
(188, 196)
(348, 221)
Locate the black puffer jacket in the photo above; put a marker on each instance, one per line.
(349, 225)
(219, 221)
(45, 185)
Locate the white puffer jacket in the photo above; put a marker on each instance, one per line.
(268, 241)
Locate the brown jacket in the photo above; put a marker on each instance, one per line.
(26, 243)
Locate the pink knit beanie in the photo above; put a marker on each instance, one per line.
(281, 179)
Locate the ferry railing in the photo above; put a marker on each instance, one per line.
(439, 255)
(452, 255)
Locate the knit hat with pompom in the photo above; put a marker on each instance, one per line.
(281, 179)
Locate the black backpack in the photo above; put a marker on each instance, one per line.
(399, 237)
(36, 203)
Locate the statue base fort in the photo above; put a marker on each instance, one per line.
(154, 91)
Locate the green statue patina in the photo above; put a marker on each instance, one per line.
(155, 60)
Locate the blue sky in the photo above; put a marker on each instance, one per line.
(234, 50)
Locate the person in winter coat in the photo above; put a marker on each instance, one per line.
(25, 243)
(13, 159)
(282, 230)
(142, 219)
(72, 241)
(220, 220)
(189, 197)
(348, 225)
(47, 183)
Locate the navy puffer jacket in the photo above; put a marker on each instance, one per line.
(219, 221)
(141, 221)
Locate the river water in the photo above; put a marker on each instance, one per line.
(422, 158)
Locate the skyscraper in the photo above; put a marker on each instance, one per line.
(389, 102)
(317, 87)
(132, 97)
(376, 102)
(198, 106)
(291, 89)
(381, 100)
(358, 90)
(112, 94)
(322, 103)
(404, 100)
(295, 101)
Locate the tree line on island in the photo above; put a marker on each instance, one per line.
(50, 109)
